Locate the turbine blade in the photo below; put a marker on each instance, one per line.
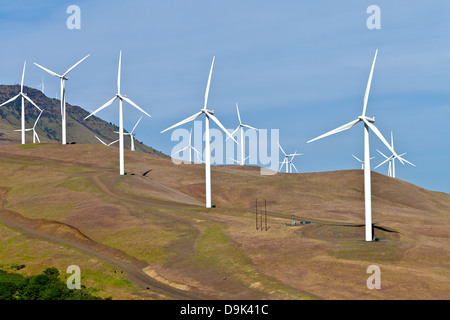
(119, 72)
(101, 140)
(282, 149)
(233, 133)
(47, 70)
(239, 116)
(31, 101)
(71, 68)
(369, 82)
(386, 160)
(380, 136)
(183, 121)
(136, 124)
(220, 125)
(407, 161)
(382, 154)
(10, 100)
(357, 159)
(23, 76)
(35, 123)
(294, 167)
(208, 84)
(102, 107)
(37, 137)
(341, 128)
(134, 105)
(249, 127)
(113, 142)
(182, 149)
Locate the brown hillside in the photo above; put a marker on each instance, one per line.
(168, 245)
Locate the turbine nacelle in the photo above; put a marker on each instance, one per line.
(371, 120)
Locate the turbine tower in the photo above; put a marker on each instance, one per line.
(121, 98)
(62, 78)
(241, 127)
(391, 160)
(209, 114)
(24, 96)
(368, 124)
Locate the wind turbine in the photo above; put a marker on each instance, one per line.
(209, 114)
(35, 135)
(131, 134)
(288, 163)
(368, 124)
(121, 98)
(62, 78)
(362, 162)
(291, 161)
(391, 160)
(42, 86)
(24, 96)
(190, 147)
(241, 126)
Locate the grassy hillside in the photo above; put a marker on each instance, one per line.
(49, 125)
(147, 235)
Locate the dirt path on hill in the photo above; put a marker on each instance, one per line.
(70, 236)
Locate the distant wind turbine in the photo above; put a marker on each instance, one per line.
(121, 98)
(42, 86)
(190, 147)
(131, 134)
(368, 124)
(209, 114)
(288, 162)
(362, 162)
(62, 78)
(35, 135)
(24, 96)
(391, 160)
(241, 126)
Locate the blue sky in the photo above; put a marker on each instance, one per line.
(297, 66)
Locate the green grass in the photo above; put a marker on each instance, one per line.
(78, 184)
(386, 251)
(214, 248)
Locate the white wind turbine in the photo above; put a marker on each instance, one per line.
(241, 126)
(42, 86)
(190, 147)
(106, 144)
(121, 98)
(131, 134)
(362, 162)
(24, 96)
(368, 124)
(288, 163)
(391, 160)
(209, 114)
(35, 135)
(62, 78)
